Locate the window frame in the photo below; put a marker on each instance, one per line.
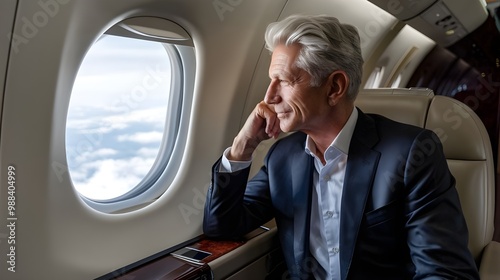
(163, 171)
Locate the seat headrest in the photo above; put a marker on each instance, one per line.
(403, 105)
(454, 122)
(460, 130)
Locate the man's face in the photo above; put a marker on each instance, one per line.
(298, 106)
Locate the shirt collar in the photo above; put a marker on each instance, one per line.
(341, 143)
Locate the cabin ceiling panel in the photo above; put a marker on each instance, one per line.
(444, 21)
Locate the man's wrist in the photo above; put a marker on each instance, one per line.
(232, 165)
(242, 149)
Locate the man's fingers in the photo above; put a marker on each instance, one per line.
(272, 126)
(275, 132)
(272, 123)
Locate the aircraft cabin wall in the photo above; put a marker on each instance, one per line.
(58, 234)
(6, 24)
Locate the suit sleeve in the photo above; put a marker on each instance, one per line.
(436, 228)
(235, 207)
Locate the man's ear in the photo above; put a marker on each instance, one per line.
(338, 82)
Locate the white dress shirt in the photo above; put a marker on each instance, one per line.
(328, 181)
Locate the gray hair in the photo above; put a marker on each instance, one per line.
(327, 46)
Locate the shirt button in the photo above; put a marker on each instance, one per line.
(329, 214)
(335, 250)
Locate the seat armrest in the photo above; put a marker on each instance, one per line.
(490, 268)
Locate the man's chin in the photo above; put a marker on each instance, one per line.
(286, 129)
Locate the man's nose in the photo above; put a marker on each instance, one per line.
(272, 96)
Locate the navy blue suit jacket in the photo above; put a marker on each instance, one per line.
(400, 214)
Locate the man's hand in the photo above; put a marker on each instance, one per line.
(262, 124)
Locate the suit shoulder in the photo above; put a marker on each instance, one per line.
(385, 124)
(392, 132)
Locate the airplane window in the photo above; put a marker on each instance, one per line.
(375, 78)
(118, 113)
(397, 81)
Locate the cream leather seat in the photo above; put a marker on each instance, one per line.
(468, 151)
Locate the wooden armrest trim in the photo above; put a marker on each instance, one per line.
(165, 266)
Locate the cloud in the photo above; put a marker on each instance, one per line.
(142, 137)
(110, 178)
(105, 173)
(105, 124)
(145, 116)
(91, 155)
(94, 125)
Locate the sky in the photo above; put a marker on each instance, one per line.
(116, 115)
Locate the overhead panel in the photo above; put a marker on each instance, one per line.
(444, 21)
(404, 9)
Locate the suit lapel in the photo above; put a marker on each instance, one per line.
(361, 166)
(301, 187)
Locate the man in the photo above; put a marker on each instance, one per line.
(354, 196)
